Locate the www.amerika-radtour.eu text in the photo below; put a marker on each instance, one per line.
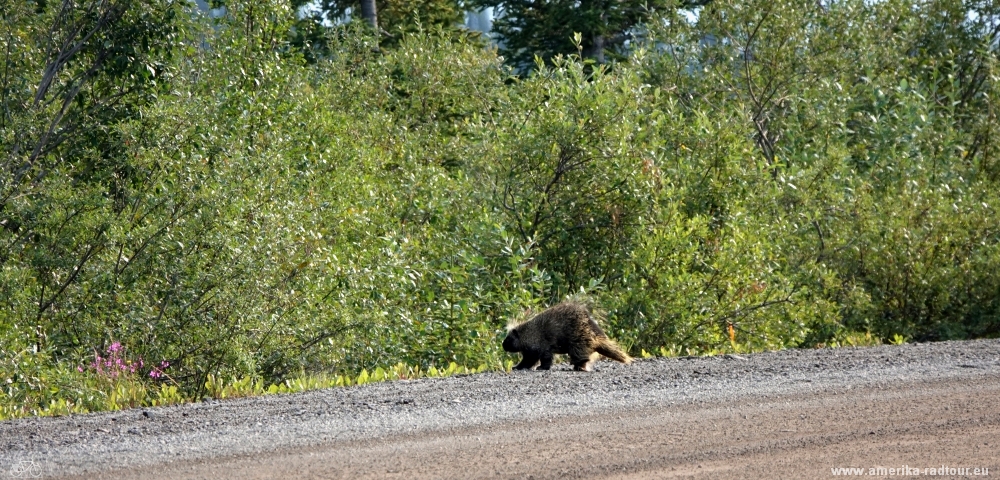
(907, 471)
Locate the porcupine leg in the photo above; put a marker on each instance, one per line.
(580, 358)
(529, 360)
(546, 361)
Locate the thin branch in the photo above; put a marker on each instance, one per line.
(95, 246)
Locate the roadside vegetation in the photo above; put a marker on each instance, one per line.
(195, 206)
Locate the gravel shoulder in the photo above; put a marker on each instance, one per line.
(795, 413)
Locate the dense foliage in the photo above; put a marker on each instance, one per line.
(598, 30)
(394, 18)
(184, 199)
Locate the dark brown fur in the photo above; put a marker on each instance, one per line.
(567, 328)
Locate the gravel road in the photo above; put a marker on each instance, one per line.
(789, 414)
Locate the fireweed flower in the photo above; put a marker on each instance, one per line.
(116, 364)
(157, 372)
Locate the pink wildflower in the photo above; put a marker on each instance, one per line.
(157, 372)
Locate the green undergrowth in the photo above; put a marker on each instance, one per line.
(844, 339)
(126, 391)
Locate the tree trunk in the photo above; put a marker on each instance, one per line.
(597, 42)
(369, 13)
(598, 52)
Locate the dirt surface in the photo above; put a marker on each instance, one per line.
(791, 414)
